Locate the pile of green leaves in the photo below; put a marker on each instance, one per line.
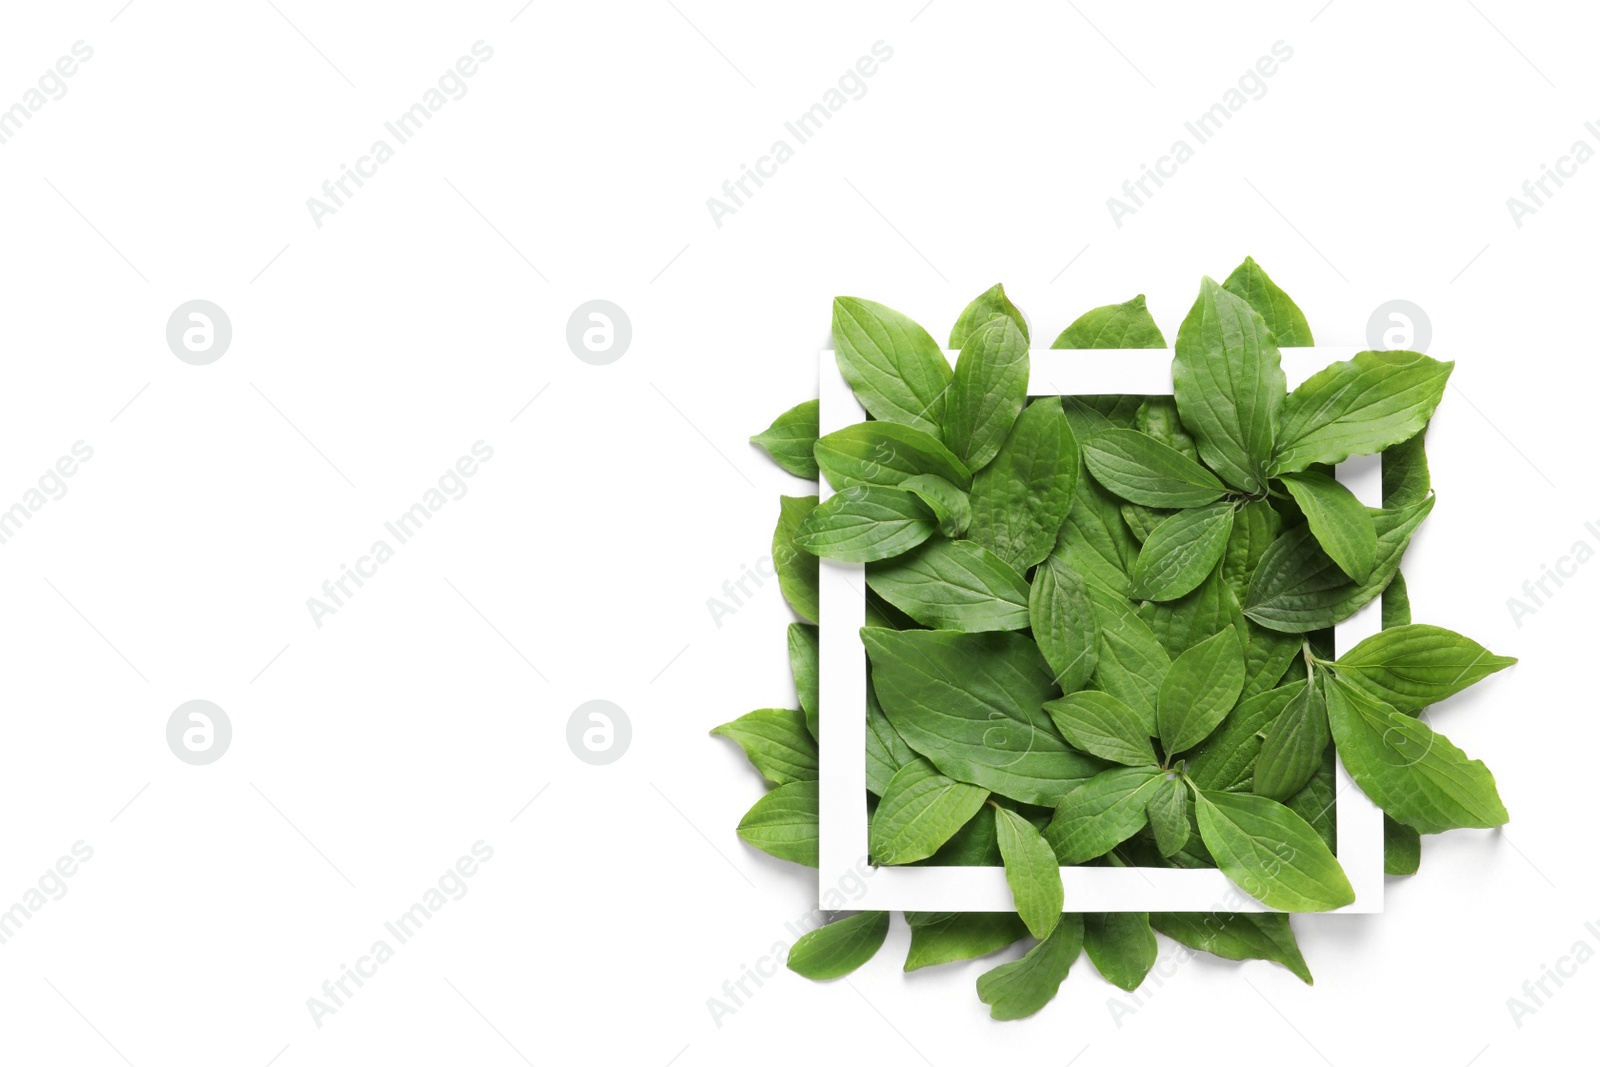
(1100, 629)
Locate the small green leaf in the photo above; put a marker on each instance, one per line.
(1207, 609)
(1158, 417)
(1179, 553)
(798, 574)
(1405, 472)
(1031, 871)
(1236, 936)
(834, 950)
(1020, 988)
(1292, 750)
(887, 751)
(1283, 318)
(1229, 386)
(897, 371)
(885, 454)
(1402, 848)
(777, 744)
(1396, 603)
(1297, 588)
(1227, 757)
(1339, 522)
(1132, 662)
(1357, 407)
(1062, 617)
(953, 585)
(1137, 467)
(804, 653)
(962, 937)
(973, 704)
(950, 505)
(920, 811)
(1410, 667)
(783, 823)
(1104, 726)
(1168, 811)
(1102, 813)
(987, 392)
(1411, 772)
(863, 524)
(790, 439)
(1271, 853)
(1255, 526)
(1020, 500)
(1121, 945)
(1142, 521)
(1199, 691)
(1126, 325)
(989, 304)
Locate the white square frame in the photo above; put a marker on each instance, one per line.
(842, 669)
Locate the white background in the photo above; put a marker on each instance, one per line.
(370, 753)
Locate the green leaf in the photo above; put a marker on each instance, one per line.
(1121, 945)
(974, 845)
(1271, 853)
(790, 438)
(973, 704)
(1126, 325)
(1229, 386)
(1139, 468)
(920, 811)
(1179, 553)
(1062, 617)
(776, 742)
(797, 569)
(863, 524)
(1236, 936)
(963, 937)
(1357, 407)
(834, 950)
(950, 506)
(1411, 772)
(1168, 812)
(1104, 726)
(1199, 691)
(1132, 662)
(1255, 526)
(783, 823)
(1158, 417)
(1396, 606)
(1142, 520)
(1292, 750)
(1096, 541)
(1020, 988)
(897, 371)
(989, 304)
(953, 585)
(887, 751)
(1410, 667)
(1315, 802)
(1031, 871)
(1283, 318)
(1402, 848)
(1267, 656)
(885, 454)
(987, 392)
(1297, 588)
(1405, 472)
(804, 652)
(1101, 814)
(1339, 522)
(1020, 501)
(1226, 759)
(1207, 609)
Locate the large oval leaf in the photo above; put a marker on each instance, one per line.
(920, 811)
(1032, 872)
(863, 524)
(885, 454)
(834, 950)
(954, 585)
(1181, 551)
(1271, 853)
(1020, 501)
(897, 371)
(1137, 467)
(987, 393)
